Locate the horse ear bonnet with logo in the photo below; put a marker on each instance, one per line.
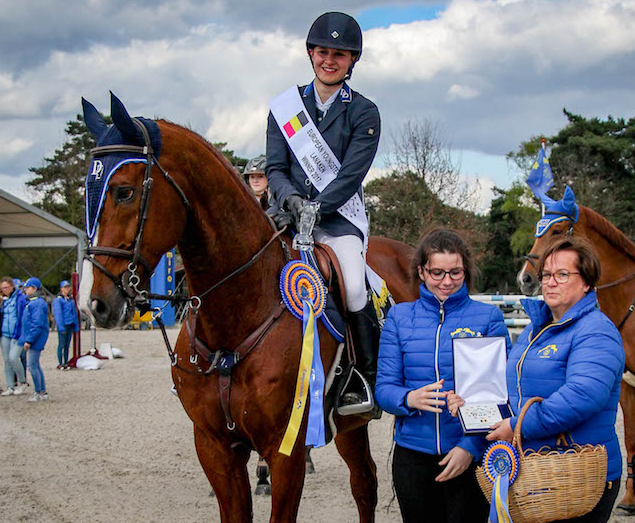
(124, 132)
(557, 211)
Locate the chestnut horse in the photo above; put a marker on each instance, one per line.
(616, 294)
(199, 203)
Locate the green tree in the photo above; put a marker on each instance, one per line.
(237, 161)
(597, 159)
(510, 228)
(59, 183)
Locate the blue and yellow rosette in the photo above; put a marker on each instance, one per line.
(500, 465)
(304, 295)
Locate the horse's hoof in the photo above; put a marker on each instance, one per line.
(310, 469)
(263, 490)
(211, 494)
(628, 509)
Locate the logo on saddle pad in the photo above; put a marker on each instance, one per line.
(465, 332)
(548, 351)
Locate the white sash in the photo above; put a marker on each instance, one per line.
(313, 153)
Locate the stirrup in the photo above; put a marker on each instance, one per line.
(366, 405)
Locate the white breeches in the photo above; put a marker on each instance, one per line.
(350, 253)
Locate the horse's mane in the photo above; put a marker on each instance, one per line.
(611, 233)
(219, 156)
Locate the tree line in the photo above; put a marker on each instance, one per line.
(422, 187)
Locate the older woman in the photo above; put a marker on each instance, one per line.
(11, 310)
(434, 462)
(572, 356)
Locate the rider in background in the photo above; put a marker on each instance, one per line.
(256, 178)
(350, 125)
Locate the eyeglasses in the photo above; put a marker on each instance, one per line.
(560, 276)
(438, 274)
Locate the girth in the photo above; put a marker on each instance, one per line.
(225, 360)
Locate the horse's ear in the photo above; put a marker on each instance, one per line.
(93, 120)
(569, 196)
(123, 121)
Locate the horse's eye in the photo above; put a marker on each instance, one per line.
(556, 231)
(124, 194)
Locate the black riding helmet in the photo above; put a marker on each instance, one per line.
(255, 165)
(337, 31)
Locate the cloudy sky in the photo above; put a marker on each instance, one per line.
(491, 73)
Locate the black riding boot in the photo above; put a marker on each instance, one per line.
(365, 333)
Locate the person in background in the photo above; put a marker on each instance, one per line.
(11, 313)
(67, 322)
(35, 332)
(434, 462)
(256, 178)
(571, 355)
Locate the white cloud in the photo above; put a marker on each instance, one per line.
(462, 92)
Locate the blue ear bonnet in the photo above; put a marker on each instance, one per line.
(102, 167)
(557, 211)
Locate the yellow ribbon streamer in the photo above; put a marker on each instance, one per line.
(301, 388)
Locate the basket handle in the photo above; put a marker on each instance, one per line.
(517, 440)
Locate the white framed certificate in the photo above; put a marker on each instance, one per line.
(480, 379)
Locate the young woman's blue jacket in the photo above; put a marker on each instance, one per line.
(20, 303)
(416, 350)
(65, 313)
(576, 365)
(35, 323)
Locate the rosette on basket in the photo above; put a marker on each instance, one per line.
(304, 294)
(500, 465)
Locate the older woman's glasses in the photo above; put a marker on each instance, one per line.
(438, 274)
(559, 276)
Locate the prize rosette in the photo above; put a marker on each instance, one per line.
(500, 464)
(304, 295)
(300, 282)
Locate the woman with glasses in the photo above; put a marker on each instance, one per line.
(434, 462)
(572, 356)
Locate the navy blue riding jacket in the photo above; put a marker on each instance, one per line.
(351, 128)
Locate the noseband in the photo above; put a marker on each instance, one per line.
(128, 281)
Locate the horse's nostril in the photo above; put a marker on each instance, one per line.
(527, 278)
(99, 308)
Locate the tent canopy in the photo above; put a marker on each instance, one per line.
(24, 226)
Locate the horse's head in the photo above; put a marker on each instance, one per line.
(559, 219)
(135, 212)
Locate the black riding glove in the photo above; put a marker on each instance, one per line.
(294, 204)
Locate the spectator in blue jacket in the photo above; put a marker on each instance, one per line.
(434, 462)
(67, 322)
(11, 318)
(35, 332)
(572, 356)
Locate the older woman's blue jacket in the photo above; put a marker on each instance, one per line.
(576, 365)
(416, 350)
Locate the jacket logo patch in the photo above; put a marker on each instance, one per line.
(548, 351)
(465, 332)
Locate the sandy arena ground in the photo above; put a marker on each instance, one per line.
(115, 445)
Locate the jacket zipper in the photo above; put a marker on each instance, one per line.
(436, 369)
(519, 365)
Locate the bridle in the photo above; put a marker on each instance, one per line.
(128, 281)
(531, 257)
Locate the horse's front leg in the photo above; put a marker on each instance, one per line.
(354, 447)
(627, 402)
(226, 470)
(287, 482)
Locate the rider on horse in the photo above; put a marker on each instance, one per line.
(347, 126)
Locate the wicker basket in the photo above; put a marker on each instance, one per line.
(551, 484)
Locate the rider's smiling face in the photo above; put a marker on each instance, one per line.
(330, 65)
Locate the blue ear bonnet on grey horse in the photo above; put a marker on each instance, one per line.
(557, 211)
(124, 131)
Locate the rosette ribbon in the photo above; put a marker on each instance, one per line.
(500, 464)
(304, 295)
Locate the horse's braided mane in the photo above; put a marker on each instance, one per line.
(606, 229)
